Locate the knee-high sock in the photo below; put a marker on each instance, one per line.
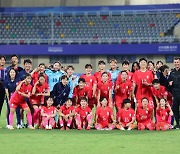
(29, 118)
(79, 120)
(89, 119)
(36, 115)
(11, 118)
(69, 122)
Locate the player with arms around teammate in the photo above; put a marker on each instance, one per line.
(23, 91)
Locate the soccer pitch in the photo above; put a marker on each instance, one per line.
(26, 141)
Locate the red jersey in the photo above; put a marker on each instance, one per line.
(124, 89)
(161, 93)
(90, 82)
(17, 98)
(104, 89)
(48, 110)
(66, 110)
(104, 114)
(39, 89)
(145, 113)
(35, 77)
(126, 115)
(80, 92)
(142, 90)
(83, 112)
(99, 74)
(163, 115)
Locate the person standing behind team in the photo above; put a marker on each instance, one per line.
(142, 81)
(98, 74)
(10, 86)
(174, 82)
(72, 79)
(35, 73)
(54, 74)
(14, 64)
(23, 90)
(91, 85)
(2, 78)
(27, 69)
(114, 70)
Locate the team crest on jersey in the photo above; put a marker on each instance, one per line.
(107, 113)
(147, 77)
(64, 94)
(90, 80)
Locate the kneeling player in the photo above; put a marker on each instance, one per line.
(66, 114)
(23, 91)
(104, 116)
(48, 112)
(83, 115)
(144, 116)
(163, 115)
(126, 116)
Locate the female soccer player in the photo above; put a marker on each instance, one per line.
(104, 116)
(123, 89)
(48, 112)
(144, 116)
(40, 89)
(163, 115)
(126, 116)
(83, 115)
(80, 90)
(10, 86)
(105, 89)
(23, 91)
(66, 114)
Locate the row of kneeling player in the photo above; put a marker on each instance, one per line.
(81, 117)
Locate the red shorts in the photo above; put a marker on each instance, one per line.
(118, 101)
(35, 101)
(103, 124)
(147, 124)
(23, 105)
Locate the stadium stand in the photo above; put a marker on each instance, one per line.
(93, 28)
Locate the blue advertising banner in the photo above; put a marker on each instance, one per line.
(92, 8)
(91, 49)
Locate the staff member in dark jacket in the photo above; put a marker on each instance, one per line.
(2, 78)
(60, 91)
(174, 82)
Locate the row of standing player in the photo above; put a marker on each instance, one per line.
(101, 80)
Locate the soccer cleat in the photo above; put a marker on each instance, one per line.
(122, 128)
(19, 126)
(36, 126)
(31, 127)
(176, 127)
(88, 128)
(8, 126)
(47, 127)
(11, 128)
(129, 128)
(62, 128)
(79, 128)
(50, 127)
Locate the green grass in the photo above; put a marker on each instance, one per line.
(26, 141)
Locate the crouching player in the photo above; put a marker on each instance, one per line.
(144, 116)
(23, 91)
(104, 116)
(48, 112)
(83, 115)
(126, 116)
(66, 114)
(163, 115)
